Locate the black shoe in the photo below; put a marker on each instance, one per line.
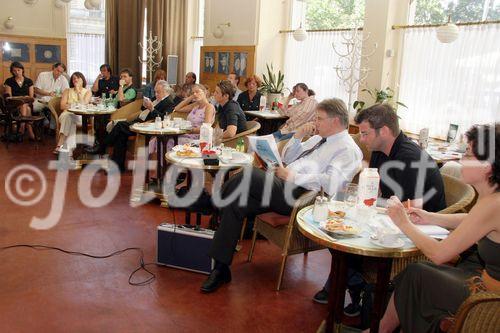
(352, 310)
(216, 279)
(321, 297)
(96, 150)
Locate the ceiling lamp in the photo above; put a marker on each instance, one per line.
(219, 32)
(30, 2)
(92, 4)
(300, 34)
(447, 33)
(58, 3)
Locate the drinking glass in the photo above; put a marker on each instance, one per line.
(351, 194)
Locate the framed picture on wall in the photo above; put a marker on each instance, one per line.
(47, 53)
(209, 63)
(223, 64)
(240, 63)
(17, 52)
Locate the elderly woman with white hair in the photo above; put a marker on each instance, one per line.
(118, 137)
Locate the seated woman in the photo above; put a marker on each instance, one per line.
(427, 292)
(77, 93)
(299, 114)
(200, 111)
(18, 85)
(250, 98)
(126, 92)
(149, 90)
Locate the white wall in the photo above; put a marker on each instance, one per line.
(42, 19)
(242, 14)
(273, 16)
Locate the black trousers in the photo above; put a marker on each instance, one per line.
(118, 138)
(232, 215)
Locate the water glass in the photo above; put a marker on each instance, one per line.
(351, 195)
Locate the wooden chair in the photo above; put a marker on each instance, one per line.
(252, 128)
(282, 230)
(13, 116)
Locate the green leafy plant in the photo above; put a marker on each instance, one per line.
(380, 96)
(273, 83)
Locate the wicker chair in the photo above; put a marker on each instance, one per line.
(55, 110)
(282, 230)
(478, 313)
(252, 128)
(460, 197)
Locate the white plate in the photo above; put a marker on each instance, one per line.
(237, 158)
(399, 243)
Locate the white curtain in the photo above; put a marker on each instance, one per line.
(312, 61)
(457, 83)
(86, 54)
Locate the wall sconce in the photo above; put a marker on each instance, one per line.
(30, 2)
(9, 23)
(219, 32)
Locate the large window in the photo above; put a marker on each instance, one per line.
(456, 83)
(85, 39)
(437, 11)
(312, 61)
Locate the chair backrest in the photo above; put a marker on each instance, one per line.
(252, 127)
(366, 153)
(479, 313)
(177, 114)
(55, 106)
(129, 111)
(460, 197)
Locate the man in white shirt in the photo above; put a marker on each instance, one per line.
(48, 85)
(327, 160)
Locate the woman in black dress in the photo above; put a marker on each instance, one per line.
(19, 85)
(427, 292)
(250, 98)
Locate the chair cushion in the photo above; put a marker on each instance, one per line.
(274, 219)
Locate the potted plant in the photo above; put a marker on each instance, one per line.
(273, 84)
(380, 96)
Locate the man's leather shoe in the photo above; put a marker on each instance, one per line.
(216, 279)
(97, 150)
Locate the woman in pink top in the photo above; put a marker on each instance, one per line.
(298, 114)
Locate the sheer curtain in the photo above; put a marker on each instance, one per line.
(457, 83)
(86, 54)
(312, 61)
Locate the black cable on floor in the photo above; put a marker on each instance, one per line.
(141, 259)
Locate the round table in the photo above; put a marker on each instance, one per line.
(341, 250)
(89, 112)
(196, 163)
(149, 130)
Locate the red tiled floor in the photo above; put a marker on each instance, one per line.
(47, 291)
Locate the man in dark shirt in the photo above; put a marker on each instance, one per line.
(230, 117)
(399, 160)
(105, 83)
(405, 171)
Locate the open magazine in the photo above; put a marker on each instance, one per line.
(266, 149)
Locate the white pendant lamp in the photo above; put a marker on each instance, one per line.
(447, 33)
(300, 34)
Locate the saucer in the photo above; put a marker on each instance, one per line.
(399, 243)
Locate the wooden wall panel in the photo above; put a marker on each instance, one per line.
(31, 68)
(211, 79)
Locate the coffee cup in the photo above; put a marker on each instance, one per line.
(388, 238)
(227, 153)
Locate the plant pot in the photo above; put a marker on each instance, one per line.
(271, 97)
